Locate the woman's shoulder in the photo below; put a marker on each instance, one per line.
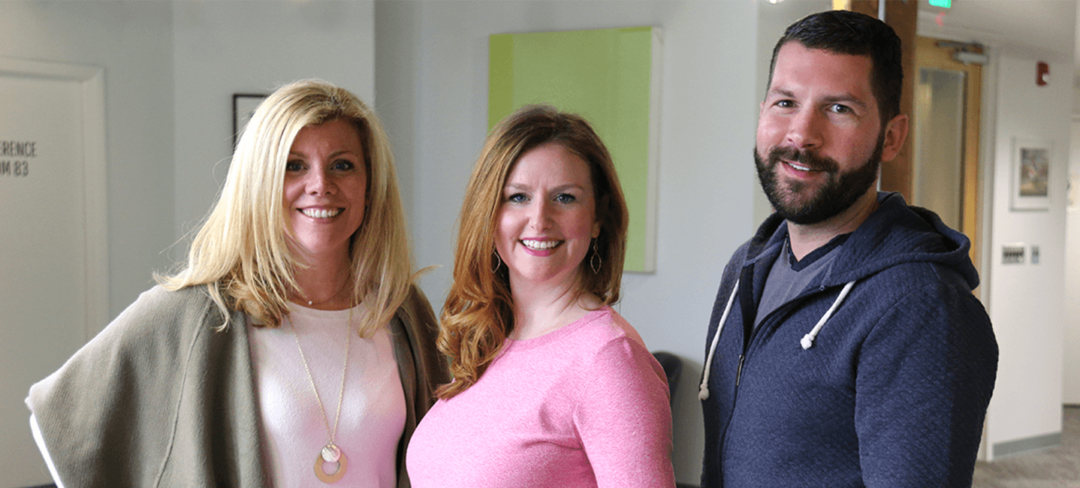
(151, 336)
(615, 357)
(605, 325)
(160, 297)
(145, 332)
(161, 305)
(159, 314)
(599, 341)
(145, 357)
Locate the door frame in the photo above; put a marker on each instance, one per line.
(92, 178)
(929, 55)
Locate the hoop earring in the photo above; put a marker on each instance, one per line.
(498, 263)
(595, 262)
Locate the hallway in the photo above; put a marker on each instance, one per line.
(1056, 467)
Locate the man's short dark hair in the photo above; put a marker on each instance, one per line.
(845, 32)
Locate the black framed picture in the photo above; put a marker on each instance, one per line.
(243, 106)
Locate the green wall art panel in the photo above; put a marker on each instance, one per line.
(609, 76)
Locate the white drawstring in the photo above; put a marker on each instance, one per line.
(806, 342)
(703, 393)
(808, 339)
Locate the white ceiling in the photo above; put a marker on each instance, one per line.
(1037, 24)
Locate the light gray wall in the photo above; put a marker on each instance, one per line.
(223, 48)
(133, 42)
(1026, 301)
(1071, 369)
(431, 68)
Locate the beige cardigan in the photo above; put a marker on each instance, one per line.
(159, 398)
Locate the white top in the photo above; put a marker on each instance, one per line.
(40, 440)
(372, 411)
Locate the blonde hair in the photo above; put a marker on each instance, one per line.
(240, 253)
(478, 314)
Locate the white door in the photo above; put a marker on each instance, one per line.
(47, 308)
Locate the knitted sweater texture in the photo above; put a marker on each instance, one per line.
(893, 389)
(583, 406)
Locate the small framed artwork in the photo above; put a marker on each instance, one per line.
(243, 106)
(1030, 174)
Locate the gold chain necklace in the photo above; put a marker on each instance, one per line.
(330, 453)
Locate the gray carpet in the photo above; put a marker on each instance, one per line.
(1055, 467)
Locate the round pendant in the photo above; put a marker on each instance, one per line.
(331, 453)
(322, 462)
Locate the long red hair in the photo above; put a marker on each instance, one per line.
(478, 314)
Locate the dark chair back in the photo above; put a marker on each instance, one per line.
(672, 368)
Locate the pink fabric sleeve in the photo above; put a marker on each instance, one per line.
(624, 418)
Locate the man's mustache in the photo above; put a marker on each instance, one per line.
(804, 158)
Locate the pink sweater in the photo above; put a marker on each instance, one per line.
(583, 406)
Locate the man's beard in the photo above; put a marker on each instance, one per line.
(802, 203)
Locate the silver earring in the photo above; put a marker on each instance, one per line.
(595, 262)
(498, 263)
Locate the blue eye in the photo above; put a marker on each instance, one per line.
(565, 198)
(517, 198)
(840, 109)
(343, 165)
(293, 166)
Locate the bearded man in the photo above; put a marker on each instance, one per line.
(846, 348)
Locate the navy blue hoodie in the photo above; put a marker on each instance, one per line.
(893, 388)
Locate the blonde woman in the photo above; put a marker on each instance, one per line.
(551, 386)
(291, 350)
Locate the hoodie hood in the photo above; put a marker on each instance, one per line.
(894, 234)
